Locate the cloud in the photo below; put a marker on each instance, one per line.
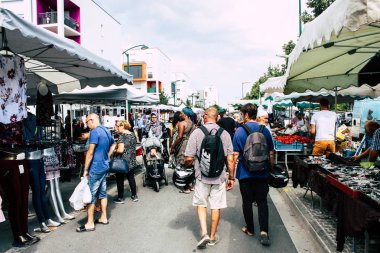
(223, 43)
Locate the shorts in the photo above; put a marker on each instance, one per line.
(215, 194)
(323, 147)
(98, 186)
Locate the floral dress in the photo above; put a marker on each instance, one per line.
(129, 153)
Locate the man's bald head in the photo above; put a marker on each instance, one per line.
(92, 121)
(211, 114)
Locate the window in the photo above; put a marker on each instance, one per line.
(135, 71)
(150, 75)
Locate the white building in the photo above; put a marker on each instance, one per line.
(210, 95)
(83, 21)
(150, 69)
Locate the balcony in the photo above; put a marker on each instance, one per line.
(152, 90)
(49, 21)
(71, 23)
(47, 18)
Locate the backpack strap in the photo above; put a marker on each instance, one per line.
(261, 129)
(204, 130)
(247, 129)
(219, 132)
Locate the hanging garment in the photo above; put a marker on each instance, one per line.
(44, 108)
(2, 218)
(51, 164)
(29, 128)
(11, 133)
(12, 89)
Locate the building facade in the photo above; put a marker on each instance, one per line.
(150, 69)
(210, 95)
(82, 21)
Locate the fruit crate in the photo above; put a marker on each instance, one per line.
(294, 146)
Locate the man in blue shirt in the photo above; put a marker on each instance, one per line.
(253, 185)
(101, 146)
(375, 147)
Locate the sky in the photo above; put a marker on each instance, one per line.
(214, 42)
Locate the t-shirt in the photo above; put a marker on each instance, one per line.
(324, 122)
(376, 140)
(102, 138)
(227, 124)
(193, 149)
(239, 141)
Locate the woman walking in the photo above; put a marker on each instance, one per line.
(126, 147)
(185, 128)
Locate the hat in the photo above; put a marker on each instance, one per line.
(261, 112)
(221, 110)
(188, 111)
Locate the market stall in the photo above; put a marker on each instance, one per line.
(349, 187)
(35, 63)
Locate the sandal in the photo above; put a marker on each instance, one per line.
(84, 229)
(245, 231)
(100, 222)
(187, 191)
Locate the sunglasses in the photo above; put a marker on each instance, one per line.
(88, 120)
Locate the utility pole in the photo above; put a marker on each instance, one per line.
(299, 17)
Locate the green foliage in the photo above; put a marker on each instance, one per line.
(287, 49)
(217, 107)
(341, 107)
(316, 8)
(163, 98)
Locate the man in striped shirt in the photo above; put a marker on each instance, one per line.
(375, 147)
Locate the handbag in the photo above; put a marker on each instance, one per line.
(119, 165)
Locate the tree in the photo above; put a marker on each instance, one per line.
(316, 7)
(287, 49)
(272, 71)
(163, 98)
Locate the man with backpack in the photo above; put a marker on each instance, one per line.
(209, 149)
(253, 151)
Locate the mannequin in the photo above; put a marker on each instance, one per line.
(51, 164)
(37, 182)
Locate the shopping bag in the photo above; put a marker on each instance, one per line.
(87, 195)
(77, 198)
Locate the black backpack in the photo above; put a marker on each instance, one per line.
(212, 159)
(255, 150)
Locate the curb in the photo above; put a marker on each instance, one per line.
(308, 222)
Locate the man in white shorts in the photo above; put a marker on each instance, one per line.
(210, 190)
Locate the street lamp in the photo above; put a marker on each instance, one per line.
(142, 47)
(174, 88)
(242, 91)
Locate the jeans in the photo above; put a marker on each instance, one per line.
(255, 190)
(120, 183)
(16, 189)
(98, 186)
(38, 184)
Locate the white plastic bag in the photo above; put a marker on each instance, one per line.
(80, 195)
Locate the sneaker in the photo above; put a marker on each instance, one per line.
(213, 242)
(264, 238)
(119, 201)
(135, 198)
(203, 242)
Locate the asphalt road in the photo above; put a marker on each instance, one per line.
(163, 222)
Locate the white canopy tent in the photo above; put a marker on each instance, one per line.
(63, 63)
(273, 84)
(338, 49)
(105, 95)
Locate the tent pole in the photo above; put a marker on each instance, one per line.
(71, 122)
(336, 98)
(126, 109)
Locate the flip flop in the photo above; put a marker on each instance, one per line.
(99, 222)
(185, 191)
(84, 229)
(245, 231)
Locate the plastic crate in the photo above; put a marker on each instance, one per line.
(294, 146)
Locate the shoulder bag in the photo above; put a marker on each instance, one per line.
(118, 164)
